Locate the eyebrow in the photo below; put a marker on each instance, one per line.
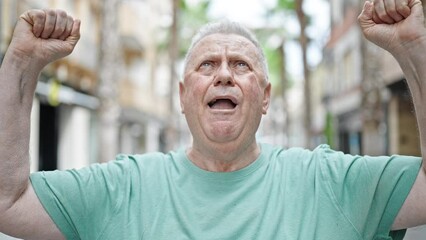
(232, 56)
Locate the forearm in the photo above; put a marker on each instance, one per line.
(18, 78)
(413, 61)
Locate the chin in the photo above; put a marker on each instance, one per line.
(221, 133)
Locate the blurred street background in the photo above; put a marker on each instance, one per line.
(118, 91)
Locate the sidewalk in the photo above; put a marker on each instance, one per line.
(418, 233)
(4, 237)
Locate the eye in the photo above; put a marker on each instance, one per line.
(206, 67)
(206, 64)
(241, 64)
(241, 67)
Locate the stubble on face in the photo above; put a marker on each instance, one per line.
(217, 49)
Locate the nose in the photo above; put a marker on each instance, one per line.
(224, 76)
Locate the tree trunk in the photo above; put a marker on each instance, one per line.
(110, 65)
(284, 80)
(171, 129)
(306, 74)
(372, 114)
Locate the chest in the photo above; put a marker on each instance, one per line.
(263, 209)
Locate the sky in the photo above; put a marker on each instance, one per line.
(252, 14)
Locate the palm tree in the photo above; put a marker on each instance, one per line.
(296, 6)
(193, 17)
(109, 73)
(303, 40)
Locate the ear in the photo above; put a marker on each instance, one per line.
(181, 96)
(266, 98)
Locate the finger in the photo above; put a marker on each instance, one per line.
(36, 18)
(75, 32)
(60, 24)
(380, 10)
(367, 11)
(366, 16)
(49, 24)
(416, 9)
(376, 18)
(68, 28)
(403, 8)
(365, 19)
(391, 10)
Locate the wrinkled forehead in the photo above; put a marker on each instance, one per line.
(219, 43)
(222, 39)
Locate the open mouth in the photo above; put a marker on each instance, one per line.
(222, 103)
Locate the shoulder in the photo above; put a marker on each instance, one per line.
(379, 166)
(141, 159)
(336, 164)
(275, 151)
(294, 161)
(124, 162)
(296, 155)
(144, 164)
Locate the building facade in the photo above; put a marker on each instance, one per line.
(366, 101)
(65, 116)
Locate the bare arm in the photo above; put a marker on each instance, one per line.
(398, 27)
(40, 37)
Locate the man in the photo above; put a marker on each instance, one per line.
(226, 185)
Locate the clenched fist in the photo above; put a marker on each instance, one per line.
(395, 25)
(45, 35)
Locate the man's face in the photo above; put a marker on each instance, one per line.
(224, 92)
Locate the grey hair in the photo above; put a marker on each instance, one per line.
(227, 27)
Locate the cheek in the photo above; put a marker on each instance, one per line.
(193, 96)
(197, 92)
(254, 92)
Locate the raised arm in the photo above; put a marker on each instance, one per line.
(40, 37)
(398, 27)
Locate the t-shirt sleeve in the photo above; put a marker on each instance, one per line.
(81, 202)
(370, 190)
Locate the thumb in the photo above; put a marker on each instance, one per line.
(35, 19)
(416, 9)
(365, 18)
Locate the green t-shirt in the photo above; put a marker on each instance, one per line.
(285, 194)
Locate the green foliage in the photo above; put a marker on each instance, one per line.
(182, 4)
(274, 63)
(329, 129)
(191, 18)
(286, 5)
(194, 14)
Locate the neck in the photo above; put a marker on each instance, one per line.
(224, 158)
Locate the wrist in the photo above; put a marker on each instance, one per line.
(18, 77)
(412, 59)
(410, 48)
(21, 59)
